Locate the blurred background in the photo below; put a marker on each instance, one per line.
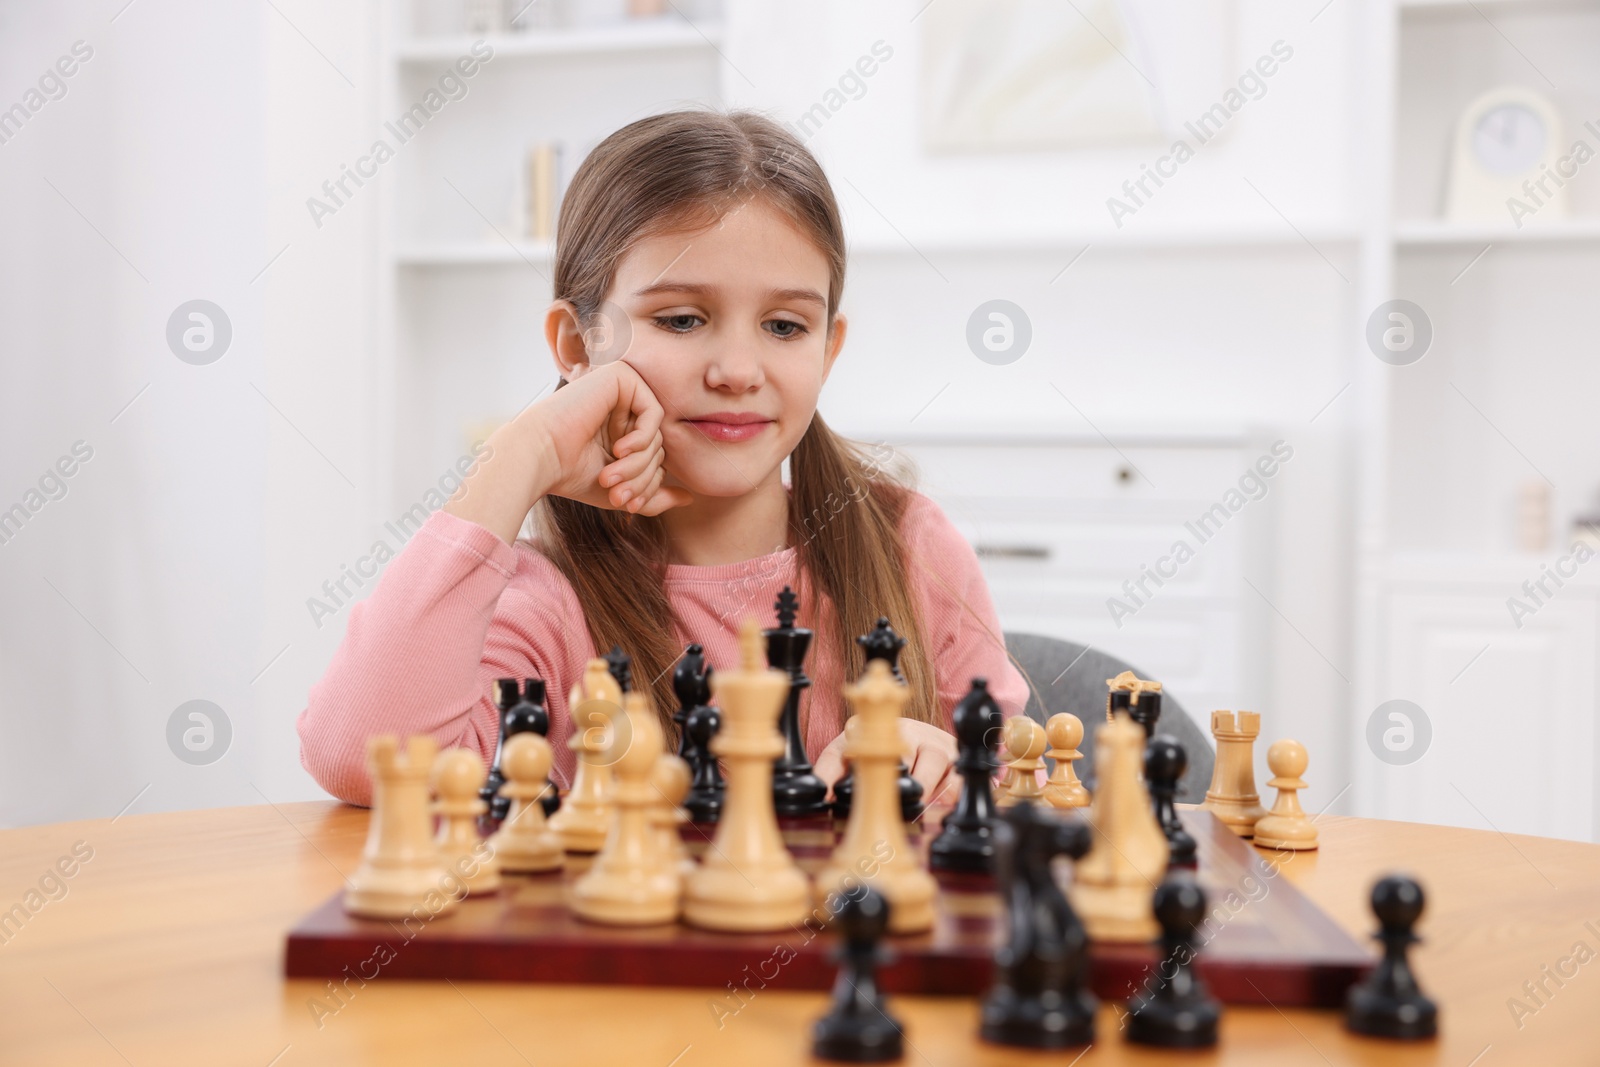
(1304, 287)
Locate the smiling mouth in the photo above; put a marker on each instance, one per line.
(729, 431)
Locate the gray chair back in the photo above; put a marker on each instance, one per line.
(1066, 676)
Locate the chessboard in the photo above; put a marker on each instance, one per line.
(1263, 941)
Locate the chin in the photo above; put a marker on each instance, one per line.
(717, 476)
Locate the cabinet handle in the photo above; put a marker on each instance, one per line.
(985, 551)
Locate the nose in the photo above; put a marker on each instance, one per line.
(734, 367)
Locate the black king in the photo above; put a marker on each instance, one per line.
(797, 792)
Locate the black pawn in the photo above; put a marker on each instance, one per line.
(1119, 700)
(883, 643)
(1145, 710)
(1180, 1012)
(706, 787)
(1164, 763)
(691, 682)
(966, 842)
(520, 712)
(620, 666)
(1040, 997)
(796, 790)
(1389, 1003)
(859, 1028)
(843, 792)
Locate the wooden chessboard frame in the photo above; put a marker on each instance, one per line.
(1269, 942)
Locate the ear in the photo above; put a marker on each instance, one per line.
(564, 334)
(835, 343)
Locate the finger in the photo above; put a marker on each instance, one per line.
(829, 768)
(928, 769)
(642, 438)
(628, 469)
(642, 496)
(647, 421)
(945, 791)
(666, 500)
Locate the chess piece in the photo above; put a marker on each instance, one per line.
(1179, 1012)
(593, 703)
(706, 789)
(1008, 760)
(456, 777)
(671, 780)
(859, 1028)
(1145, 708)
(620, 666)
(525, 844)
(796, 790)
(1389, 1003)
(1119, 694)
(1065, 733)
(844, 790)
(634, 881)
(520, 712)
(874, 848)
(883, 643)
(400, 869)
(1286, 825)
(748, 881)
(966, 841)
(1040, 997)
(1025, 741)
(691, 684)
(1164, 763)
(1232, 797)
(1112, 889)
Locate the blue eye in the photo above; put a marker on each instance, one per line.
(793, 329)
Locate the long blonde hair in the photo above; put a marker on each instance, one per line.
(673, 171)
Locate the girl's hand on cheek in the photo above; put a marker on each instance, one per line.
(604, 430)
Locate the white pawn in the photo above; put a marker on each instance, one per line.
(524, 843)
(1287, 825)
(400, 870)
(633, 882)
(1063, 790)
(671, 781)
(457, 777)
(1025, 743)
(874, 849)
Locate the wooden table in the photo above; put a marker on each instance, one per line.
(166, 947)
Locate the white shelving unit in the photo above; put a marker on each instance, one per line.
(1495, 403)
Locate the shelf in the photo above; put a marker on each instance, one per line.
(490, 253)
(1468, 6)
(643, 35)
(1436, 233)
(475, 254)
(1502, 573)
(1211, 237)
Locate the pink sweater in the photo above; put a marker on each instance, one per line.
(458, 608)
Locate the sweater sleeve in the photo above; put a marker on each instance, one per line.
(457, 608)
(964, 632)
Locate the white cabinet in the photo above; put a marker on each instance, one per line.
(1511, 709)
(1062, 524)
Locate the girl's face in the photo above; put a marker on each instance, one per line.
(729, 330)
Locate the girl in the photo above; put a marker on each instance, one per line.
(698, 272)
